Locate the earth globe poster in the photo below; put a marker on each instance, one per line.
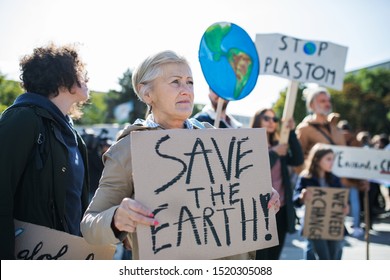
(229, 60)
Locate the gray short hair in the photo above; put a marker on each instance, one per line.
(310, 93)
(151, 68)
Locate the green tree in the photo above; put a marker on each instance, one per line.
(95, 111)
(365, 100)
(9, 90)
(197, 109)
(300, 106)
(126, 94)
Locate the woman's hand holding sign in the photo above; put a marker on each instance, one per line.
(130, 213)
(274, 201)
(164, 82)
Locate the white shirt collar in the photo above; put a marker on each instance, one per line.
(149, 122)
(233, 122)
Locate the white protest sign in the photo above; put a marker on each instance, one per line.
(324, 213)
(302, 60)
(34, 242)
(209, 190)
(361, 163)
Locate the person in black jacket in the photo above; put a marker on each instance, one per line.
(97, 145)
(43, 163)
(281, 157)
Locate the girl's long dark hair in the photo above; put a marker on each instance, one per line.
(316, 153)
(273, 138)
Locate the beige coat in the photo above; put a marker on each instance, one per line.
(115, 184)
(308, 135)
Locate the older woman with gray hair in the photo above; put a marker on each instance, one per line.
(164, 82)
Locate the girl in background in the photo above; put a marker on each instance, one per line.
(318, 173)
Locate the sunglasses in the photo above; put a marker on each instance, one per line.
(268, 118)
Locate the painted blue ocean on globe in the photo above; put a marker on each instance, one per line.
(229, 60)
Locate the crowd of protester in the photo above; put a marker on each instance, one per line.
(82, 184)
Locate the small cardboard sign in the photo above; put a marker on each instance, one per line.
(305, 61)
(34, 242)
(324, 213)
(361, 163)
(209, 190)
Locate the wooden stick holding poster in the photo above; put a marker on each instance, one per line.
(288, 111)
(218, 113)
(367, 222)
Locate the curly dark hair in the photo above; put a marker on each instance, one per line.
(49, 68)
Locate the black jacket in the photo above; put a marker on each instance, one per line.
(306, 182)
(32, 181)
(294, 157)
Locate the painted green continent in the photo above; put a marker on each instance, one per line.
(240, 62)
(242, 65)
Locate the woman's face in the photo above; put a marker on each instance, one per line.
(269, 122)
(172, 95)
(81, 93)
(326, 162)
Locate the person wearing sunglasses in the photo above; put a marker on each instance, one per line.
(281, 156)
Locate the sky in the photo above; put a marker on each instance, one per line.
(117, 35)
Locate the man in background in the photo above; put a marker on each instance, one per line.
(209, 113)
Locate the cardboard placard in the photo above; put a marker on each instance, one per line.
(34, 242)
(324, 213)
(361, 163)
(306, 61)
(209, 190)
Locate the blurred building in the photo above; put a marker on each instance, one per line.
(385, 65)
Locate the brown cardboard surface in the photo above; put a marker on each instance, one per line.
(209, 189)
(34, 242)
(324, 217)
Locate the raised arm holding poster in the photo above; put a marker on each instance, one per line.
(210, 196)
